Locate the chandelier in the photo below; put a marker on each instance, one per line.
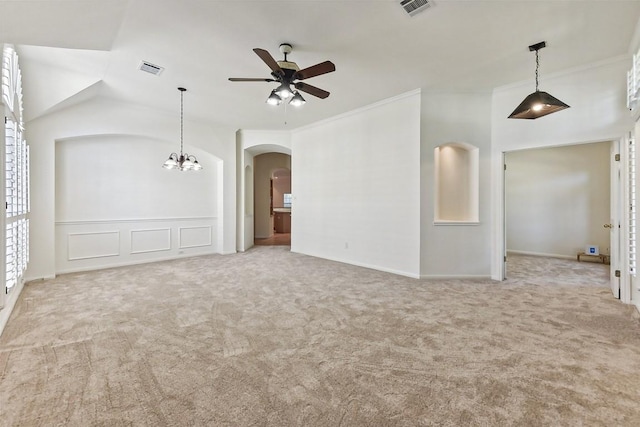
(182, 161)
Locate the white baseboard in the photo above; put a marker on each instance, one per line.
(34, 279)
(129, 263)
(456, 277)
(364, 265)
(540, 254)
(10, 303)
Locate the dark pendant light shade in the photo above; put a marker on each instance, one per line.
(538, 103)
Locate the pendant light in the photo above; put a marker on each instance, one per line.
(183, 161)
(538, 103)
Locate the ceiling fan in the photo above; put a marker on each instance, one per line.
(288, 73)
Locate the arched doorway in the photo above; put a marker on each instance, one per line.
(272, 199)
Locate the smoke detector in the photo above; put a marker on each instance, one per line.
(413, 7)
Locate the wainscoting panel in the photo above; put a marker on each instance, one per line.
(194, 237)
(93, 245)
(155, 240)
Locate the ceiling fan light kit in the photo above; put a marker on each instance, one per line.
(538, 103)
(274, 99)
(287, 74)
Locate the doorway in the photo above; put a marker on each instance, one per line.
(557, 205)
(272, 199)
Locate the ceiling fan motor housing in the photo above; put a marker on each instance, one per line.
(288, 65)
(285, 48)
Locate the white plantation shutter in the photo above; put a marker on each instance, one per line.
(16, 166)
(633, 83)
(632, 207)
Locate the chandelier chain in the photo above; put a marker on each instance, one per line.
(182, 120)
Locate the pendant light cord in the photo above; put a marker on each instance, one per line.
(537, 66)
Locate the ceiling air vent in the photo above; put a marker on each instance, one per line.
(151, 68)
(413, 7)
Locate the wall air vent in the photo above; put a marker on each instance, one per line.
(413, 7)
(151, 68)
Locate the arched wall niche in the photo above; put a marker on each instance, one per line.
(456, 184)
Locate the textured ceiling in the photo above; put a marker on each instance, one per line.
(72, 51)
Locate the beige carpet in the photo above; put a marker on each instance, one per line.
(271, 338)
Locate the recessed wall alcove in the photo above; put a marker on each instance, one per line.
(456, 184)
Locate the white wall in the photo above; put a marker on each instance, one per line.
(558, 199)
(597, 96)
(356, 187)
(106, 117)
(115, 210)
(449, 249)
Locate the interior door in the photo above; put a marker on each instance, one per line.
(615, 220)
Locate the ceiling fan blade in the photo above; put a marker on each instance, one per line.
(315, 70)
(268, 59)
(312, 90)
(243, 79)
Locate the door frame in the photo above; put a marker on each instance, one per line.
(616, 221)
(619, 259)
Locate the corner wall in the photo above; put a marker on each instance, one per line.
(356, 187)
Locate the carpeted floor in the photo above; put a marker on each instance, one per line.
(271, 338)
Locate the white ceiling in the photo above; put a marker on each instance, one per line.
(72, 51)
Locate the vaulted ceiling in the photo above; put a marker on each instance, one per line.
(75, 50)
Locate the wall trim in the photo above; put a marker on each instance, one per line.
(131, 263)
(551, 76)
(106, 255)
(443, 222)
(148, 250)
(359, 110)
(111, 221)
(181, 246)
